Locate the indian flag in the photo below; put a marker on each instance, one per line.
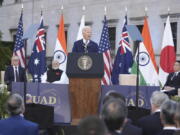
(147, 63)
(60, 51)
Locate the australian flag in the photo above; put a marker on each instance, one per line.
(124, 59)
(37, 62)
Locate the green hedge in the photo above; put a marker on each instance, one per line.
(5, 54)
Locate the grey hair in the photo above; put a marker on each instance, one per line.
(15, 104)
(86, 27)
(168, 110)
(158, 98)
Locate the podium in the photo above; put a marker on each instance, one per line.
(85, 71)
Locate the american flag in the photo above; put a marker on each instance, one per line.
(104, 47)
(19, 43)
(37, 62)
(124, 59)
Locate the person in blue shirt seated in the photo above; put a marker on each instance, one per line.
(85, 45)
(16, 124)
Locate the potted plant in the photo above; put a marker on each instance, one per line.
(4, 94)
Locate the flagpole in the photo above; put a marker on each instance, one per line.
(25, 67)
(145, 10)
(126, 10)
(137, 43)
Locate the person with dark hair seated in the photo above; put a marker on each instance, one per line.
(113, 95)
(16, 124)
(177, 119)
(173, 81)
(128, 128)
(92, 125)
(114, 113)
(151, 124)
(167, 115)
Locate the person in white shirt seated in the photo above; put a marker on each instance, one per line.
(55, 75)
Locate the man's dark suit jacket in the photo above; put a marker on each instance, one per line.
(167, 132)
(9, 75)
(173, 81)
(17, 125)
(151, 124)
(177, 132)
(128, 129)
(79, 46)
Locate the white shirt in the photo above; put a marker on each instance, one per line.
(85, 41)
(15, 68)
(169, 128)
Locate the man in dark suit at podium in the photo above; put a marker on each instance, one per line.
(14, 73)
(85, 45)
(173, 80)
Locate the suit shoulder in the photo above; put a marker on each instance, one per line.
(21, 68)
(30, 123)
(78, 41)
(145, 118)
(9, 67)
(131, 130)
(134, 128)
(94, 42)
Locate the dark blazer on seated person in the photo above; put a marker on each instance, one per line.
(9, 74)
(17, 125)
(173, 80)
(151, 124)
(130, 129)
(79, 46)
(167, 132)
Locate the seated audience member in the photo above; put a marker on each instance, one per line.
(173, 80)
(92, 125)
(151, 124)
(16, 124)
(85, 45)
(128, 128)
(55, 75)
(14, 73)
(113, 95)
(167, 115)
(177, 119)
(114, 113)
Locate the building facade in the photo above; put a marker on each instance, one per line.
(157, 11)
